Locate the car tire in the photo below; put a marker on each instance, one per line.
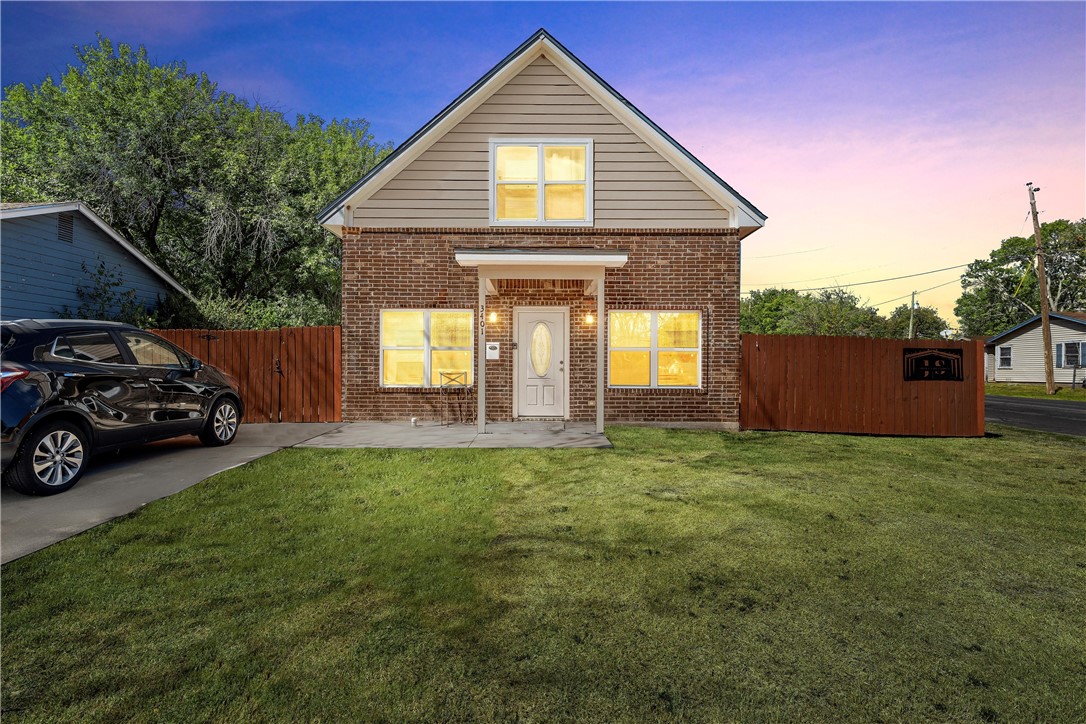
(52, 459)
(222, 423)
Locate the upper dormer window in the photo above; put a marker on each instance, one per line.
(541, 182)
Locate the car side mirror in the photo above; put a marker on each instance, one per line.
(195, 365)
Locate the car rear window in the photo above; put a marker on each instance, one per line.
(88, 347)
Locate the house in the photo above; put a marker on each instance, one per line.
(1017, 355)
(546, 244)
(48, 251)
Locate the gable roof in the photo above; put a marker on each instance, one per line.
(743, 213)
(19, 210)
(1072, 317)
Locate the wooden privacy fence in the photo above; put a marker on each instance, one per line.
(862, 385)
(286, 375)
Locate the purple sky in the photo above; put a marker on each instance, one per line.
(881, 138)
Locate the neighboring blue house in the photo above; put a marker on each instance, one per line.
(43, 249)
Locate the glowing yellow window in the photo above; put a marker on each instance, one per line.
(426, 348)
(542, 182)
(631, 329)
(654, 349)
(630, 369)
(402, 329)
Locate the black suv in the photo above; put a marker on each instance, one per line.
(71, 388)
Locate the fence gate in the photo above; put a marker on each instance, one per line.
(291, 374)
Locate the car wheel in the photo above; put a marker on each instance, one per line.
(53, 458)
(222, 424)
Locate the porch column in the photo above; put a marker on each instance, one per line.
(480, 354)
(601, 365)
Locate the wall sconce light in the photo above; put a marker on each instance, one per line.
(493, 318)
(589, 319)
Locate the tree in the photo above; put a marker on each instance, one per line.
(1002, 290)
(127, 137)
(770, 311)
(927, 324)
(831, 312)
(220, 193)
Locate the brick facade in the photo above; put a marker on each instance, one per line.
(668, 269)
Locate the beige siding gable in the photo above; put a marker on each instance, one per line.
(447, 185)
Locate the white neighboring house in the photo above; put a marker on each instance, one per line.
(1017, 354)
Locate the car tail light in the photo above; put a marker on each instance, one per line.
(9, 375)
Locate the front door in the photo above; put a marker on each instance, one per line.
(540, 369)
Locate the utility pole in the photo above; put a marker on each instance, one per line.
(912, 313)
(1046, 327)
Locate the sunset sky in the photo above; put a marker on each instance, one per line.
(882, 139)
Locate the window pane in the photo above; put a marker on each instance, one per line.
(1071, 354)
(455, 364)
(401, 329)
(630, 368)
(95, 347)
(517, 163)
(403, 367)
(517, 201)
(450, 329)
(151, 352)
(563, 201)
(631, 329)
(677, 369)
(564, 163)
(677, 329)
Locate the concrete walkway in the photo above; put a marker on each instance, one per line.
(426, 435)
(116, 484)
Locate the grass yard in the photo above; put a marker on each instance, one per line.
(757, 577)
(1027, 390)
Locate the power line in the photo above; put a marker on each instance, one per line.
(920, 292)
(880, 281)
(778, 285)
(790, 253)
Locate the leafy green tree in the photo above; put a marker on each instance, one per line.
(1002, 290)
(220, 193)
(127, 137)
(830, 312)
(769, 311)
(839, 313)
(927, 324)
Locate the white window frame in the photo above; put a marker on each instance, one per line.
(426, 347)
(1079, 347)
(999, 357)
(540, 182)
(654, 349)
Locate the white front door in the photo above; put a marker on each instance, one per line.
(540, 369)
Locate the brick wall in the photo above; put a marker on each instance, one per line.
(673, 269)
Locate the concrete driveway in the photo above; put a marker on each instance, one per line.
(1062, 416)
(119, 483)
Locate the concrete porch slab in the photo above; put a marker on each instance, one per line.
(433, 435)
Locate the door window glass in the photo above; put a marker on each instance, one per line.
(89, 347)
(150, 352)
(541, 349)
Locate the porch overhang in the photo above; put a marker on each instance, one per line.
(565, 262)
(587, 264)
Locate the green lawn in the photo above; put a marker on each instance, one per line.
(1026, 390)
(757, 577)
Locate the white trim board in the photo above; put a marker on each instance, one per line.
(542, 259)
